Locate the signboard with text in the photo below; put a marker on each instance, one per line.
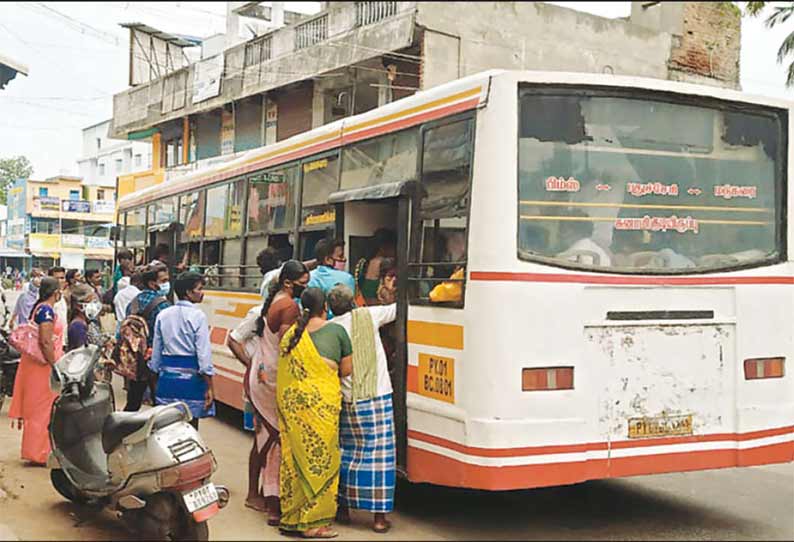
(76, 206)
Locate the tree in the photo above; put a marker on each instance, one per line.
(780, 14)
(12, 169)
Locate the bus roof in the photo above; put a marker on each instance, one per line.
(441, 101)
(438, 102)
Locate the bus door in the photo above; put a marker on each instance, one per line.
(359, 214)
(163, 234)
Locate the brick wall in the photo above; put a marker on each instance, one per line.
(709, 45)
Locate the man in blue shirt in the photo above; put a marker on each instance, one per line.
(330, 271)
(181, 352)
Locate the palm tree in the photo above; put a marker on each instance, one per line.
(780, 14)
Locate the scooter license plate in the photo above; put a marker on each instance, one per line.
(200, 498)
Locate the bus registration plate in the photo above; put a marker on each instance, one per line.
(660, 426)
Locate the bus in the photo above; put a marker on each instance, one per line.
(626, 294)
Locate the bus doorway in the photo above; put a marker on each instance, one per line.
(357, 222)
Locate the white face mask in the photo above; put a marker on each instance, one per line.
(92, 309)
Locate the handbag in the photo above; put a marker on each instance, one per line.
(25, 339)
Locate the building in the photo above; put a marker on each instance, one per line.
(61, 221)
(353, 56)
(104, 159)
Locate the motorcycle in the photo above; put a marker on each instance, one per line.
(151, 467)
(9, 357)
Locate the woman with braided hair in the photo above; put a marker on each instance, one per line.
(255, 343)
(314, 353)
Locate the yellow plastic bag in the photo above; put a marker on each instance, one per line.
(449, 291)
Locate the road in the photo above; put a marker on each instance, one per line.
(740, 504)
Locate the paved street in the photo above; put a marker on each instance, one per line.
(754, 503)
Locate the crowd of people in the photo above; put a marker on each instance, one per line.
(316, 377)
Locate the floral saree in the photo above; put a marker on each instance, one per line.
(309, 402)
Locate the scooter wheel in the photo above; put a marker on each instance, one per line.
(63, 486)
(190, 530)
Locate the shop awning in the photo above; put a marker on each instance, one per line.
(11, 253)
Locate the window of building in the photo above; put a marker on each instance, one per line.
(100, 194)
(119, 165)
(74, 195)
(273, 199)
(641, 184)
(102, 169)
(149, 160)
(439, 238)
(138, 160)
(43, 192)
(98, 143)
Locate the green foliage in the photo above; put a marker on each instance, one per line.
(780, 14)
(12, 169)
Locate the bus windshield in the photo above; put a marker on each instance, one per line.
(635, 183)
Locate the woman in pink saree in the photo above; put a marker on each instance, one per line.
(33, 399)
(255, 342)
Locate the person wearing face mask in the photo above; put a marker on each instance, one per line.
(84, 327)
(32, 401)
(27, 299)
(148, 305)
(330, 255)
(181, 352)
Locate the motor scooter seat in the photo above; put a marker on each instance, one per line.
(122, 424)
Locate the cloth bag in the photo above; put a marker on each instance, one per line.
(25, 339)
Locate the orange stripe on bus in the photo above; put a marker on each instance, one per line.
(435, 334)
(239, 311)
(218, 335)
(228, 391)
(241, 295)
(412, 379)
(430, 467)
(588, 446)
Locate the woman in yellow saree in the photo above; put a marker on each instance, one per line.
(314, 352)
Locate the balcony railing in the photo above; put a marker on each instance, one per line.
(372, 12)
(311, 32)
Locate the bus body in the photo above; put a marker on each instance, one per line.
(626, 300)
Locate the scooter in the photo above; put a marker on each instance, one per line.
(151, 467)
(9, 357)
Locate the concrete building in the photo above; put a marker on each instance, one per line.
(61, 220)
(104, 159)
(353, 56)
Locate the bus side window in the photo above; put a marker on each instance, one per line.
(438, 253)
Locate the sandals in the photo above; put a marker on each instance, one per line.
(382, 528)
(261, 508)
(322, 532)
(274, 521)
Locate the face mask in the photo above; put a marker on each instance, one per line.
(165, 288)
(297, 290)
(92, 309)
(340, 265)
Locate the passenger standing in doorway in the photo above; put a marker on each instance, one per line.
(367, 475)
(181, 352)
(148, 305)
(124, 267)
(326, 276)
(367, 275)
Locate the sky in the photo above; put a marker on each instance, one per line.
(78, 57)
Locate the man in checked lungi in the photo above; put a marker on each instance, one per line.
(366, 428)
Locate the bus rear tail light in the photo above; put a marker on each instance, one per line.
(547, 378)
(757, 368)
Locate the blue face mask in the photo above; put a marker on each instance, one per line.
(165, 288)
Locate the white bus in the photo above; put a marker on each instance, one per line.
(626, 305)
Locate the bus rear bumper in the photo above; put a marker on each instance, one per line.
(440, 461)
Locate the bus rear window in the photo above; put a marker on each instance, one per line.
(627, 184)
